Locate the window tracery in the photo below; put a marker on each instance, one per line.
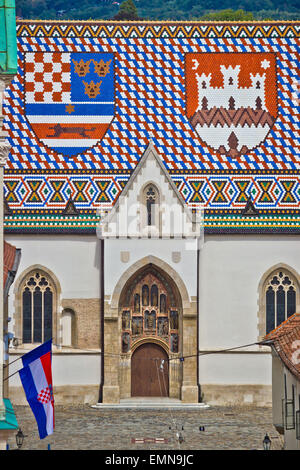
(280, 292)
(37, 308)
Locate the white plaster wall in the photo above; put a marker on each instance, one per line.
(67, 369)
(231, 268)
(74, 259)
(162, 249)
(235, 369)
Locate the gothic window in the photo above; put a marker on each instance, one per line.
(280, 295)
(203, 85)
(37, 308)
(150, 202)
(257, 84)
(230, 81)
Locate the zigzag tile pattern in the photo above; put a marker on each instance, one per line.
(150, 103)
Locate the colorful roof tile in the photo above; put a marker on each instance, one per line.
(285, 339)
(219, 101)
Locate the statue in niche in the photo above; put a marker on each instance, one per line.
(126, 320)
(145, 295)
(163, 304)
(174, 343)
(150, 320)
(163, 327)
(125, 342)
(136, 307)
(137, 326)
(173, 320)
(154, 295)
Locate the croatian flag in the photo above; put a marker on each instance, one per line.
(36, 377)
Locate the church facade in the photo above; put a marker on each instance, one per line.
(153, 189)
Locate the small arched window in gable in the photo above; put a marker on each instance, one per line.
(151, 200)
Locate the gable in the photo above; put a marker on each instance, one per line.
(171, 216)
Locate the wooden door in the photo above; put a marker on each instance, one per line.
(149, 375)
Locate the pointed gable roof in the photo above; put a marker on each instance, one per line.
(285, 340)
(158, 171)
(150, 150)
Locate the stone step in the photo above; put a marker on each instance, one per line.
(150, 403)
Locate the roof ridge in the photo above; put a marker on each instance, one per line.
(295, 316)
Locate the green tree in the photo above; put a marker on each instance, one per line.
(128, 11)
(228, 15)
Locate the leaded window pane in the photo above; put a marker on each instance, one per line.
(37, 308)
(270, 302)
(26, 316)
(291, 302)
(280, 299)
(47, 314)
(37, 316)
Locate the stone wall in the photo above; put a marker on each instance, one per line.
(87, 321)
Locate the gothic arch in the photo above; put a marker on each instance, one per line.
(117, 374)
(18, 286)
(140, 265)
(262, 291)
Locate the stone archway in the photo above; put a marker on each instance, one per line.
(121, 340)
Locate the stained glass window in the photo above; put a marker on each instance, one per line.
(280, 299)
(37, 308)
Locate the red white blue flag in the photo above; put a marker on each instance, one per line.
(36, 377)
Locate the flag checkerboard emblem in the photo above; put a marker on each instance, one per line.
(45, 395)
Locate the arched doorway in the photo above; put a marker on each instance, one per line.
(151, 324)
(133, 317)
(149, 371)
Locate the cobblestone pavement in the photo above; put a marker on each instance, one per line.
(86, 428)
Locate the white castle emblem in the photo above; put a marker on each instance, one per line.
(243, 97)
(232, 119)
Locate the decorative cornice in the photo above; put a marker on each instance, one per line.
(146, 29)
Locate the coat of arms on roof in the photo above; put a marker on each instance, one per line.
(231, 99)
(69, 98)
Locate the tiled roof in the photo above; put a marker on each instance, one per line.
(285, 340)
(150, 90)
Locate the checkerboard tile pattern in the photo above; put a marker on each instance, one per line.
(47, 78)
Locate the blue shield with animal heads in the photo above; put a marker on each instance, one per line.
(69, 98)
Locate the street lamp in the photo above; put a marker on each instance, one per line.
(267, 442)
(19, 438)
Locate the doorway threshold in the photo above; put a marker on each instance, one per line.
(150, 403)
